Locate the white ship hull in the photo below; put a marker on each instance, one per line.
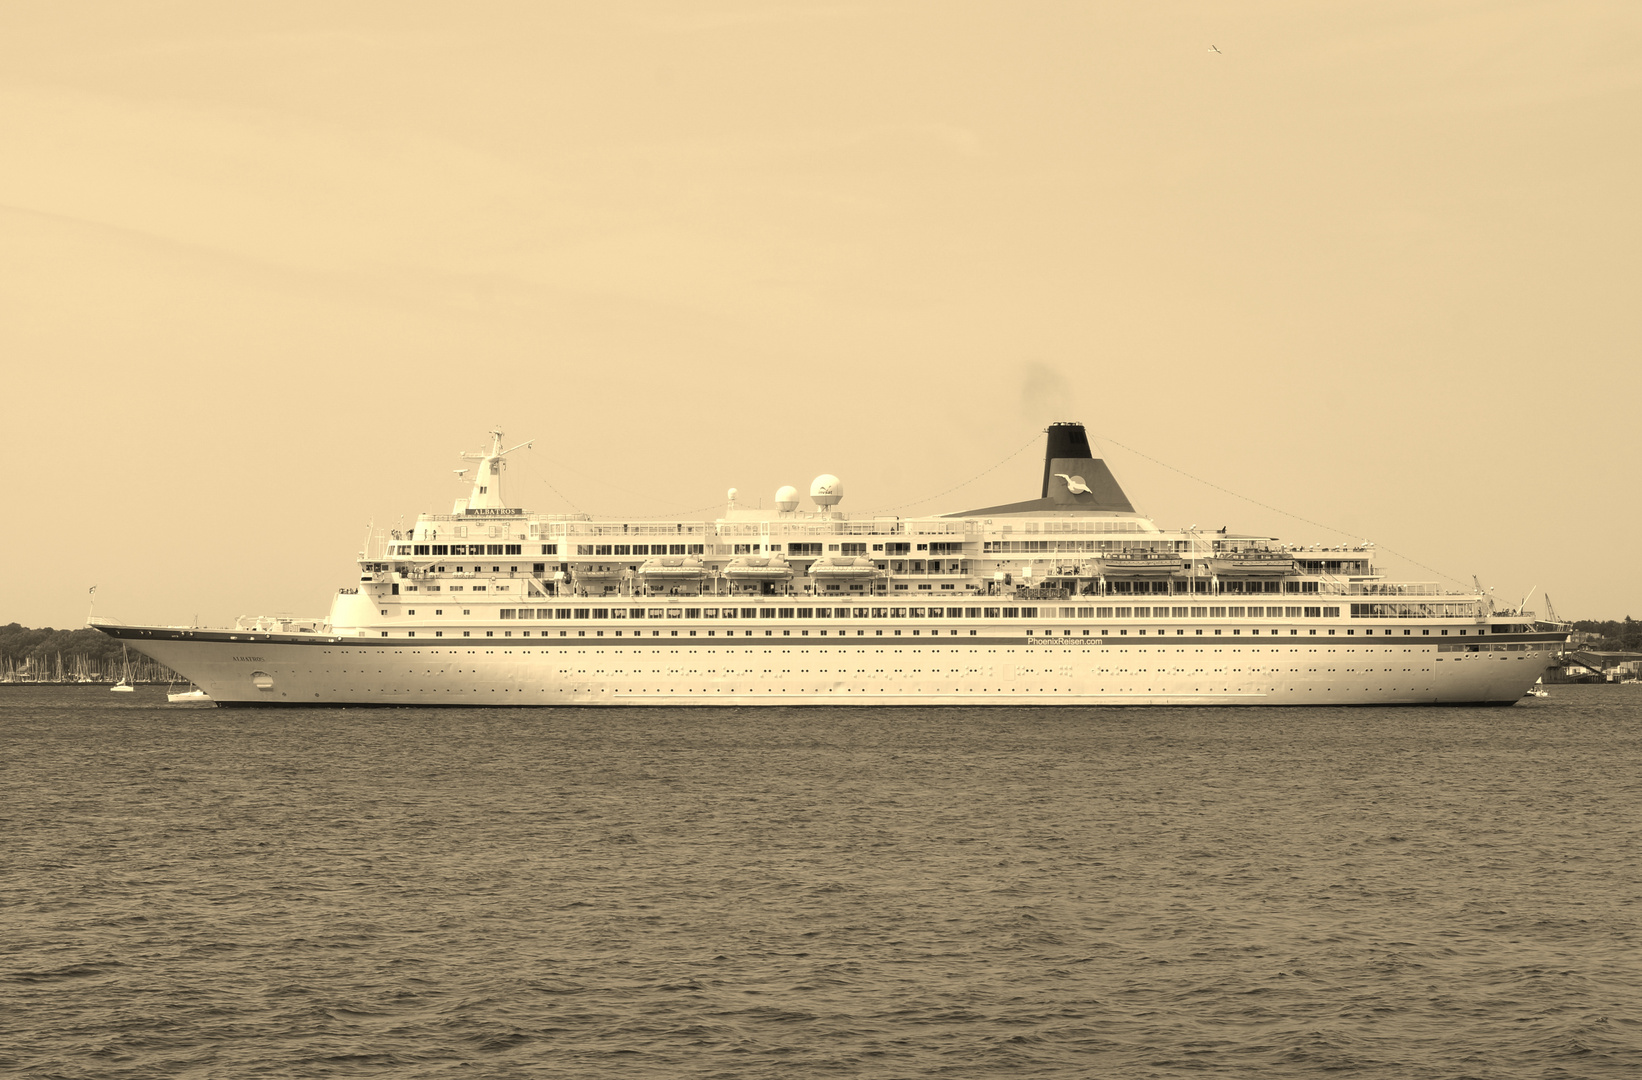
(989, 669)
(1072, 598)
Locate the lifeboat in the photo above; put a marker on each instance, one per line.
(1252, 564)
(1141, 564)
(597, 573)
(844, 568)
(675, 568)
(755, 568)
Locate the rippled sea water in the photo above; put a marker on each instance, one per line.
(1418, 892)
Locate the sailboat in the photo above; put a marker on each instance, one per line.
(124, 685)
(193, 695)
(1538, 689)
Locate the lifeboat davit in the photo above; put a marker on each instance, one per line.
(1141, 564)
(757, 568)
(675, 568)
(1252, 564)
(846, 567)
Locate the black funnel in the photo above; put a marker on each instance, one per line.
(1065, 441)
(1074, 479)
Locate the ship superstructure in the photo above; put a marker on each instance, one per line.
(1071, 598)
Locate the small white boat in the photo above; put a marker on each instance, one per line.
(124, 685)
(1538, 689)
(188, 697)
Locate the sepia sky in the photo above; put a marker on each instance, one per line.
(266, 269)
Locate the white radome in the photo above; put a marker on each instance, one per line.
(826, 490)
(786, 498)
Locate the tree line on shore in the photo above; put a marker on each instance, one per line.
(1616, 635)
(48, 655)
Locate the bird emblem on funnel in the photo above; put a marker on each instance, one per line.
(1074, 484)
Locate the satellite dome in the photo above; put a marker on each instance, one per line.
(786, 498)
(730, 498)
(826, 490)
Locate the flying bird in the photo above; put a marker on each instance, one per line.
(1215, 50)
(1074, 484)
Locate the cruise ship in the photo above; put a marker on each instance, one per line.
(1071, 598)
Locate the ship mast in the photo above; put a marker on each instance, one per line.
(487, 480)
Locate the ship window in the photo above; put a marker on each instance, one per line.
(601, 613)
(466, 633)
(384, 633)
(490, 633)
(583, 613)
(749, 613)
(692, 613)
